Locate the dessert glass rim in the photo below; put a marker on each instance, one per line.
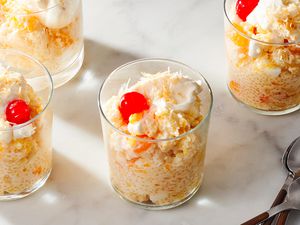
(46, 71)
(33, 12)
(251, 38)
(203, 121)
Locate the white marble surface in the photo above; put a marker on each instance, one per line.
(243, 169)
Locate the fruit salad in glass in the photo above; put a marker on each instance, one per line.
(49, 30)
(25, 126)
(155, 129)
(262, 39)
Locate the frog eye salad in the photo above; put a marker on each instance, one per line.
(262, 38)
(49, 30)
(25, 133)
(155, 130)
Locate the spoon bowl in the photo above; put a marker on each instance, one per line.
(291, 157)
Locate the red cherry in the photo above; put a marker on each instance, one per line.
(17, 112)
(132, 102)
(245, 7)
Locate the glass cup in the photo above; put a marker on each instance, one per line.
(263, 76)
(26, 159)
(50, 31)
(151, 182)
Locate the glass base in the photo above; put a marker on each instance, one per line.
(37, 186)
(159, 207)
(266, 112)
(68, 73)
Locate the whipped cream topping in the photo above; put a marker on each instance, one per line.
(12, 86)
(260, 14)
(136, 128)
(274, 72)
(144, 126)
(184, 94)
(23, 132)
(12, 91)
(263, 65)
(174, 102)
(275, 20)
(5, 131)
(182, 91)
(55, 13)
(254, 49)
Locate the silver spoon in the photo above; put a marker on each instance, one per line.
(292, 202)
(291, 166)
(291, 161)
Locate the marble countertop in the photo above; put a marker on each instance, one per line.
(243, 170)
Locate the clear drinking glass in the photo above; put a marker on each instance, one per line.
(155, 184)
(26, 159)
(263, 76)
(50, 31)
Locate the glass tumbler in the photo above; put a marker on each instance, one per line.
(151, 182)
(25, 149)
(50, 31)
(261, 75)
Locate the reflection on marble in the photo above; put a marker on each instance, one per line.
(243, 169)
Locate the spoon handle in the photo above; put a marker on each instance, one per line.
(261, 217)
(268, 214)
(279, 199)
(282, 218)
(280, 196)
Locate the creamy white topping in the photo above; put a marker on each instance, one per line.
(146, 125)
(274, 72)
(170, 96)
(276, 20)
(9, 93)
(136, 128)
(254, 49)
(56, 13)
(160, 105)
(175, 108)
(5, 136)
(182, 89)
(24, 132)
(8, 133)
(259, 16)
(263, 65)
(183, 93)
(12, 86)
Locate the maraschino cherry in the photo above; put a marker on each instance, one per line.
(245, 7)
(132, 102)
(17, 112)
